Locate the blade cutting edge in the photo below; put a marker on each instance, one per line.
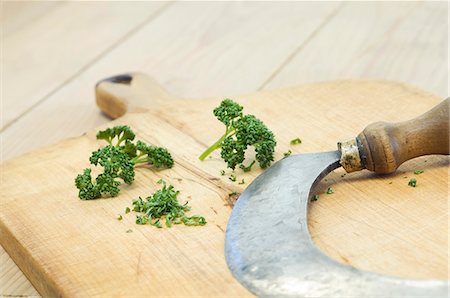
(268, 247)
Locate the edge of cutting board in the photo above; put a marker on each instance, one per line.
(41, 278)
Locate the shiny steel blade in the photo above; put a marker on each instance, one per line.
(269, 250)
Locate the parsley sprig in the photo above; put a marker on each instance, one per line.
(241, 132)
(118, 160)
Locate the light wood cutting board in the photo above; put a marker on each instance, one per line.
(69, 247)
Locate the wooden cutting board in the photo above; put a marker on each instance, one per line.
(69, 247)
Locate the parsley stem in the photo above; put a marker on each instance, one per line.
(216, 145)
(138, 158)
(120, 140)
(138, 161)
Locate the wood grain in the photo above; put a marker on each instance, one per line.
(61, 242)
(410, 38)
(12, 280)
(18, 15)
(51, 49)
(182, 65)
(400, 41)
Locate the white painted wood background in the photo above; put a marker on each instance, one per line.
(53, 53)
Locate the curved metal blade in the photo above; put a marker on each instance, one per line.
(269, 250)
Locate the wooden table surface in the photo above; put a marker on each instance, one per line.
(53, 53)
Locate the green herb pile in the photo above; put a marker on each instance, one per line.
(163, 205)
(241, 131)
(118, 160)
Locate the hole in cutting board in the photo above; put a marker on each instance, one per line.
(380, 224)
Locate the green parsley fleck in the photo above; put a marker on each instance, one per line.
(141, 220)
(127, 210)
(222, 172)
(286, 154)
(412, 182)
(195, 220)
(417, 172)
(119, 217)
(157, 224)
(242, 181)
(330, 190)
(232, 194)
(129, 231)
(296, 141)
(232, 177)
(314, 198)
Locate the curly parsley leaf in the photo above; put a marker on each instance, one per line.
(241, 131)
(118, 160)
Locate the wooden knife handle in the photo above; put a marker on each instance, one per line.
(383, 147)
(133, 92)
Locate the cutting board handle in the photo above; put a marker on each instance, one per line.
(134, 92)
(385, 146)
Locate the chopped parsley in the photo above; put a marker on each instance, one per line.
(119, 217)
(232, 177)
(127, 210)
(164, 205)
(417, 172)
(286, 154)
(330, 190)
(314, 198)
(231, 194)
